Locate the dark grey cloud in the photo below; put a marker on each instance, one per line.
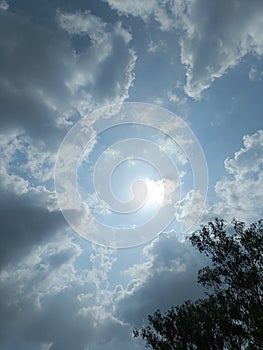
(43, 78)
(59, 323)
(34, 68)
(170, 279)
(24, 224)
(43, 81)
(57, 307)
(56, 323)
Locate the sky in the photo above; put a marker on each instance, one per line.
(124, 125)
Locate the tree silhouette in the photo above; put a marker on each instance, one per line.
(231, 314)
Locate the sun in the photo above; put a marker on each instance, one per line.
(155, 192)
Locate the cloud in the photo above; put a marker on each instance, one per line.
(168, 277)
(4, 5)
(175, 98)
(48, 302)
(104, 71)
(25, 164)
(189, 210)
(240, 191)
(83, 23)
(255, 75)
(56, 322)
(135, 8)
(214, 36)
(154, 46)
(158, 10)
(33, 68)
(57, 291)
(44, 82)
(217, 35)
(24, 223)
(28, 211)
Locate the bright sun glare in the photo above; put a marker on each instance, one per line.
(155, 192)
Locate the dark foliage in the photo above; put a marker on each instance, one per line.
(231, 315)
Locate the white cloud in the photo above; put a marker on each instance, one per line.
(158, 101)
(135, 8)
(168, 145)
(153, 46)
(97, 205)
(241, 191)
(160, 10)
(163, 16)
(255, 75)
(216, 36)
(103, 73)
(83, 23)
(24, 159)
(4, 5)
(189, 210)
(175, 98)
(46, 346)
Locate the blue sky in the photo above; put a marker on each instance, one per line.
(197, 62)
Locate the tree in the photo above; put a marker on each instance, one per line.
(231, 314)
